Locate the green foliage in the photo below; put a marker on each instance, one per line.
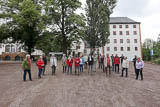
(48, 43)
(146, 54)
(66, 25)
(24, 22)
(98, 15)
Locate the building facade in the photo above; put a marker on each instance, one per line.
(125, 38)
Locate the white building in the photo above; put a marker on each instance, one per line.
(125, 38)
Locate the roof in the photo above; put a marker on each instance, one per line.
(122, 20)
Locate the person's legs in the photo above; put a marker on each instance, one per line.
(115, 67)
(24, 75)
(118, 67)
(141, 72)
(123, 71)
(70, 69)
(63, 69)
(78, 69)
(39, 73)
(44, 68)
(106, 71)
(52, 70)
(126, 72)
(137, 74)
(29, 73)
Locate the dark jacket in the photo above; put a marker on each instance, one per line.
(45, 60)
(90, 60)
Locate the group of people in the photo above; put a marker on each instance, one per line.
(106, 63)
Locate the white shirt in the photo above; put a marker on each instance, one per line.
(53, 61)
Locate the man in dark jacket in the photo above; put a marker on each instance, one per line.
(134, 63)
(112, 58)
(90, 63)
(45, 63)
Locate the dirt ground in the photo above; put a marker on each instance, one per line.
(78, 91)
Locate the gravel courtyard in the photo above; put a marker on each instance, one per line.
(78, 91)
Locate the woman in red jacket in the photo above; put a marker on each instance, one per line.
(69, 64)
(40, 65)
(77, 64)
(116, 62)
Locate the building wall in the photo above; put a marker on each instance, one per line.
(130, 54)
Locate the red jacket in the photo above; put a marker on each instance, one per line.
(77, 62)
(116, 60)
(69, 62)
(40, 63)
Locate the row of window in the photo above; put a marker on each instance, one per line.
(122, 49)
(122, 41)
(126, 26)
(127, 33)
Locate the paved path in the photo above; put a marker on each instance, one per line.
(78, 91)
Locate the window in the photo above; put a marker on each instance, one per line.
(120, 26)
(128, 40)
(7, 48)
(127, 26)
(135, 40)
(114, 32)
(128, 48)
(120, 33)
(121, 40)
(134, 26)
(108, 48)
(115, 48)
(136, 48)
(135, 32)
(122, 49)
(114, 26)
(115, 40)
(127, 32)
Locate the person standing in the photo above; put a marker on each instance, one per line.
(112, 58)
(139, 68)
(81, 63)
(85, 61)
(102, 62)
(94, 63)
(26, 66)
(99, 60)
(77, 64)
(121, 58)
(90, 63)
(125, 66)
(69, 64)
(134, 63)
(53, 64)
(40, 65)
(107, 64)
(64, 63)
(45, 63)
(116, 62)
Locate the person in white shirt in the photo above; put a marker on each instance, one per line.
(125, 66)
(139, 68)
(53, 64)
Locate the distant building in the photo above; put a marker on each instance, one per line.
(125, 38)
(148, 43)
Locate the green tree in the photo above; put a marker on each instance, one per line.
(98, 15)
(24, 21)
(65, 24)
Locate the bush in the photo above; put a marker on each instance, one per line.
(157, 61)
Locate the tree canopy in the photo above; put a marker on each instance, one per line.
(98, 15)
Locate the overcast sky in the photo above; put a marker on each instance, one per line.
(145, 11)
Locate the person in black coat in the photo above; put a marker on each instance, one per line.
(134, 63)
(90, 63)
(45, 63)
